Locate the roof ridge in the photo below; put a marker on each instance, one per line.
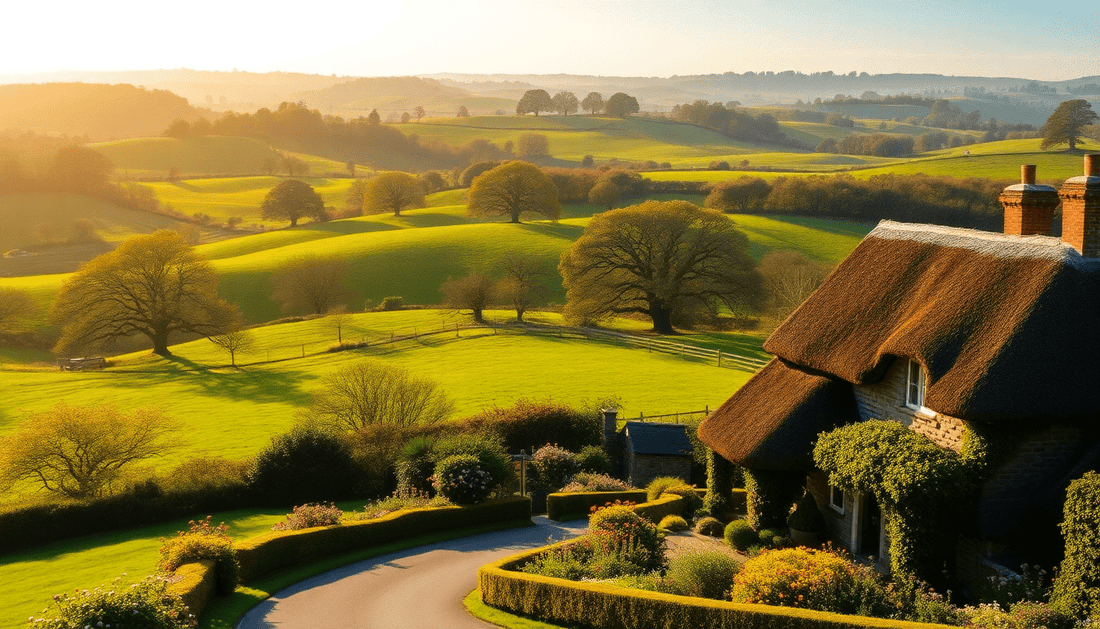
(989, 243)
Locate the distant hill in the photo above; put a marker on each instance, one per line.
(101, 112)
(394, 95)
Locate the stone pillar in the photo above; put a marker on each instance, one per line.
(1029, 208)
(1081, 209)
(610, 420)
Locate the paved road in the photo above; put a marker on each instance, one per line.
(419, 588)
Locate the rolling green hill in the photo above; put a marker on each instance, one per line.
(240, 196)
(22, 215)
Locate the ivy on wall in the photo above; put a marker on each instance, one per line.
(1077, 587)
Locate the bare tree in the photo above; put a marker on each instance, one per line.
(524, 281)
(339, 317)
(311, 282)
(235, 341)
(475, 292)
(373, 393)
(789, 278)
(79, 452)
(356, 197)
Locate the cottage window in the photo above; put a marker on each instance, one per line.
(836, 499)
(915, 383)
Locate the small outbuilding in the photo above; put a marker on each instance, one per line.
(651, 450)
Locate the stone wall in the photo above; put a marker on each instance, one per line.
(886, 400)
(643, 468)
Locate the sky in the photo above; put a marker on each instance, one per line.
(1046, 41)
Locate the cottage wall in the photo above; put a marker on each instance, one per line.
(886, 400)
(646, 467)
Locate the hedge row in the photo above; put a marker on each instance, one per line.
(656, 510)
(600, 606)
(571, 506)
(195, 584)
(272, 551)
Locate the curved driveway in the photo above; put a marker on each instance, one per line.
(418, 588)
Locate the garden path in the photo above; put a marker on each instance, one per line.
(418, 588)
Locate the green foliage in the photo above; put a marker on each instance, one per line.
(673, 523)
(466, 179)
(145, 605)
(769, 496)
(203, 541)
(719, 484)
(658, 485)
(811, 579)
(527, 424)
(554, 466)
(392, 303)
(806, 516)
(691, 498)
(310, 515)
(1077, 586)
(703, 573)
(303, 465)
(462, 480)
(392, 192)
(490, 453)
(591, 482)
(621, 105)
(1066, 124)
(564, 506)
(513, 189)
(710, 526)
(593, 459)
(740, 535)
(292, 200)
(1023, 615)
(918, 485)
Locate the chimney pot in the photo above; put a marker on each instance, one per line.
(1092, 165)
(1027, 173)
(1081, 209)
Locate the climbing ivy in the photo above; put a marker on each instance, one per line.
(719, 484)
(769, 495)
(1077, 588)
(918, 485)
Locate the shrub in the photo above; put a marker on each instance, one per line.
(709, 526)
(144, 605)
(810, 579)
(1077, 588)
(587, 482)
(462, 480)
(658, 485)
(305, 465)
(739, 535)
(392, 303)
(806, 516)
(554, 466)
(593, 459)
(490, 454)
(618, 527)
(309, 516)
(673, 523)
(766, 537)
(527, 424)
(202, 474)
(692, 501)
(202, 541)
(703, 573)
(397, 502)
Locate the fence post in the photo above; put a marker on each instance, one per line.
(303, 350)
(719, 358)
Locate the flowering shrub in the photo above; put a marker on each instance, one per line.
(617, 528)
(462, 480)
(203, 541)
(398, 501)
(810, 579)
(554, 466)
(594, 460)
(310, 515)
(1032, 584)
(590, 482)
(143, 605)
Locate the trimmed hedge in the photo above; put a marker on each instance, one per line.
(666, 505)
(601, 606)
(272, 551)
(195, 584)
(572, 506)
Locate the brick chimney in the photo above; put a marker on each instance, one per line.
(1029, 208)
(1081, 209)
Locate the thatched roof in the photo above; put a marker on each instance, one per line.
(772, 422)
(1008, 327)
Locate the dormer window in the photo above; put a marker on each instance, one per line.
(914, 388)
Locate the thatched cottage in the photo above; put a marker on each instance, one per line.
(943, 328)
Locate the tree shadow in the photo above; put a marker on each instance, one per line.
(255, 384)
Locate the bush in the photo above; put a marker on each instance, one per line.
(703, 573)
(1077, 587)
(392, 303)
(396, 502)
(144, 605)
(593, 459)
(658, 485)
(310, 515)
(527, 424)
(620, 527)
(305, 465)
(554, 466)
(692, 501)
(462, 480)
(202, 474)
(203, 541)
(810, 579)
(739, 535)
(673, 523)
(710, 526)
(490, 454)
(806, 516)
(587, 482)
(564, 506)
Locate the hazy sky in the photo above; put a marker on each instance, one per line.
(1041, 40)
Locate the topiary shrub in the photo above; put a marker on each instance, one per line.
(711, 527)
(462, 480)
(305, 465)
(143, 605)
(309, 516)
(673, 523)
(1077, 586)
(703, 573)
(806, 516)
(593, 459)
(770, 494)
(202, 541)
(739, 535)
(554, 466)
(810, 579)
(658, 485)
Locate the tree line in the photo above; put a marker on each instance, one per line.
(566, 103)
(739, 125)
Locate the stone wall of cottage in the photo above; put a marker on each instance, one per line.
(643, 468)
(886, 400)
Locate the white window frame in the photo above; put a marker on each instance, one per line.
(916, 381)
(834, 494)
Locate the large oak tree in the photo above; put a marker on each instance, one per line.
(512, 189)
(291, 200)
(658, 258)
(152, 285)
(392, 192)
(534, 101)
(1067, 123)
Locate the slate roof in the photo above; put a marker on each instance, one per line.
(649, 438)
